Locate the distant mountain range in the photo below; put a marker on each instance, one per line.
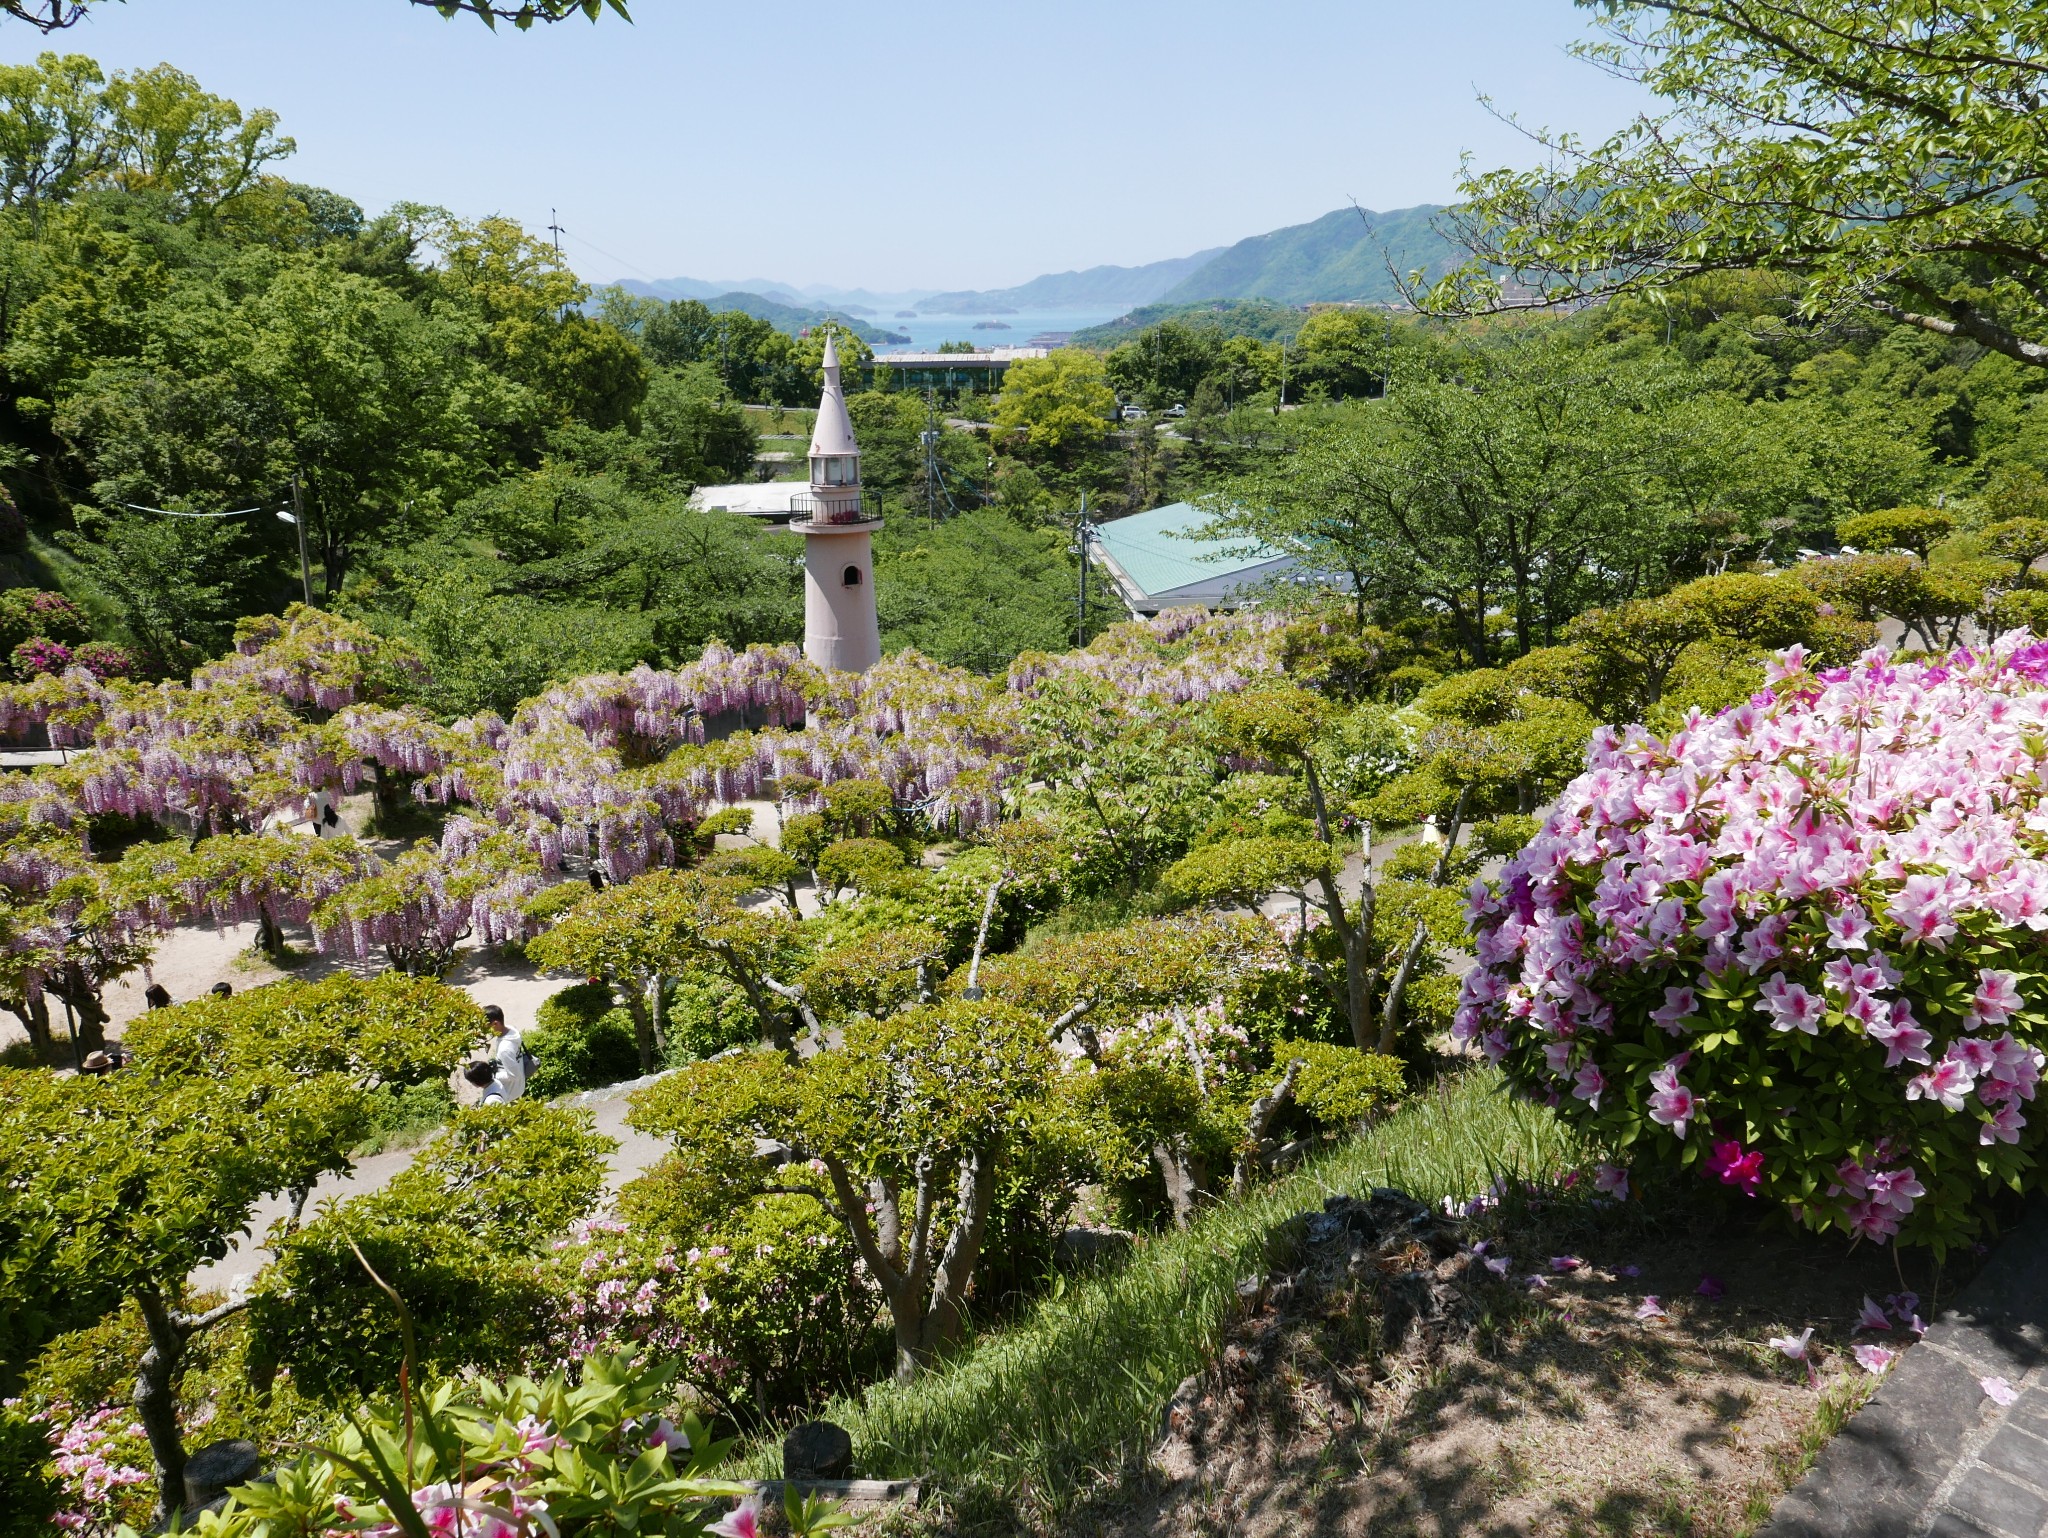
(782, 315)
(1345, 255)
(1349, 256)
(1121, 287)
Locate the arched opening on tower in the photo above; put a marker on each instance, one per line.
(850, 577)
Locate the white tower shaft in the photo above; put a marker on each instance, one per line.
(840, 628)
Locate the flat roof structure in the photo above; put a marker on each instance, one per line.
(946, 370)
(1155, 565)
(757, 499)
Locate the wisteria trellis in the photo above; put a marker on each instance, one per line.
(611, 768)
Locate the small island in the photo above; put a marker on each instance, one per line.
(991, 325)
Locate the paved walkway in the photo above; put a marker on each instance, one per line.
(1932, 1455)
(636, 1152)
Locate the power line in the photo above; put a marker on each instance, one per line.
(172, 512)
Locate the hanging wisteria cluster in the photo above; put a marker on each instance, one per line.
(1798, 947)
(612, 770)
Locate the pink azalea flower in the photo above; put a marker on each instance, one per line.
(1563, 1263)
(1846, 930)
(1871, 1317)
(1948, 1081)
(1997, 997)
(1671, 1103)
(1792, 1007)
(1795, 1347)
(1589, 1084)
(1998, 1391)
(743, 1521)
(1650, 1309)
(2005, 1126)
(1680, 1005)
(1611, 1180)
(1499, 1264)
(1875, 1359)
(672, 1437)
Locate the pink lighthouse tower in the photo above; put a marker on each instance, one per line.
(840, 630)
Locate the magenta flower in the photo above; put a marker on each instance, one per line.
(1710, 1287)
(1871, 1317)
(1875, 1359)
(1500, 1264)
(1564, 1263)
(1611, 1180)
(1847, 930)
(1650, 1310)
(1727, 1163)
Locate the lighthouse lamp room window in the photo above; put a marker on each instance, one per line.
(840, 627)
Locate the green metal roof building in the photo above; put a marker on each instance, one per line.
(1155, 565)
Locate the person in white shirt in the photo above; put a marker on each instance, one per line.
(508, 1060)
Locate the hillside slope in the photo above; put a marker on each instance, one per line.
(1337, 257)
(1088, 289)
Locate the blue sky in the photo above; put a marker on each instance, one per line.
(894, 145)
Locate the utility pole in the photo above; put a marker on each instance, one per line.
(297, 518)
(555, 229)
(1081, 589)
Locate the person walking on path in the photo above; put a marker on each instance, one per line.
(510, 1061)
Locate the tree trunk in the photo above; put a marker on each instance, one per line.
(947, 1314)
(1182, 1176)
(643, 1026)
(156, 1401)
(88, 1015)
(34, 1015)
(269, 934)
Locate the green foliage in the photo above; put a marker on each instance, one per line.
(582, 1040)
(455, 1233)
(608, 1459)
(705, 1015)
(761, 1307)
(1059, 406)
(28, 1491)
(1828, 116)
(1083, 1374)
(1341, 1087)
(1917, 529)
(1245, 869)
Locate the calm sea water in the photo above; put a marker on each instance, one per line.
(927, 331)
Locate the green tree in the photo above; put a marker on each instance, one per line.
(120, 1187)
(1855, 157)
(913, 1120)
(1058, 406)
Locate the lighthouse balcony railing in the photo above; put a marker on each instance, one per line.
(842, 508)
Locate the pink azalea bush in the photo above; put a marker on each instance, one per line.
(767, 1306)
(1798, 947)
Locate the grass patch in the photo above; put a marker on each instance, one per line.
(1029, 1413)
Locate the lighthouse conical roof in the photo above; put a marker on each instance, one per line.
(834, 432)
